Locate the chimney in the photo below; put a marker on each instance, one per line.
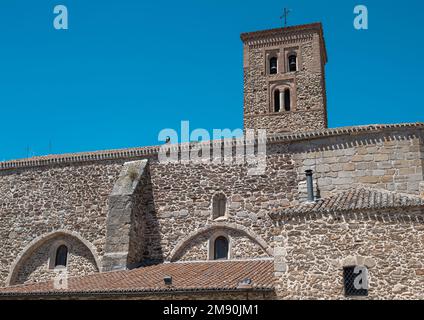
(310, 185)
(245, 284)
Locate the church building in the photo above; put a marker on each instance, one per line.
(338, 213)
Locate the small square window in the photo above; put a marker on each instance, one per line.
(355, 281)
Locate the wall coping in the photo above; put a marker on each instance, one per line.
(144, 152)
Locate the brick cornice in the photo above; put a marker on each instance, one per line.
(295, 34)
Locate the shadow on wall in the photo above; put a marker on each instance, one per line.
(145, 227)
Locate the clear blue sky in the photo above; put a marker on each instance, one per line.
(127, 69)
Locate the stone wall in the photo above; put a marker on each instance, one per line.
(171, 208)
(389, 243)
(390, 161)
(38, 266)
(40, 200)
(274, 123)
(241, 247)
(183, 196)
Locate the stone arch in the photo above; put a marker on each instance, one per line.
(216, 227)
(38, 242)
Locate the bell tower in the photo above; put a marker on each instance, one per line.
(284, 79)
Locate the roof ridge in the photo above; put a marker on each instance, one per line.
(359, 197)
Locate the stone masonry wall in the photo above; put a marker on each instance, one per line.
(174, 201)
(183, 195)
(36, 268)
(37, 201)
(390, 161)
(241, 247)
(389, 243)
(274, 123)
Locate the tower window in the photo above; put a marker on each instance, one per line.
(277, 104)
(355, 281)
(273, 65)
(61, 256)
(221, 248)
(287, 100)
(292, 63)
(219, 206)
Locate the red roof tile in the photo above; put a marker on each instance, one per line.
(361, 198)
(186, 277)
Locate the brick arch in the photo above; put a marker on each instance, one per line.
(216, 227)
(38, 242)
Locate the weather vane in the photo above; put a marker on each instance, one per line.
(285, 16)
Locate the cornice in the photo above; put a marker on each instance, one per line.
(147, 152)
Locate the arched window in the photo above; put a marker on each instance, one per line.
(287, 102)
(277, 104)
(221, 248)
(292, 63)
(61, 256)
(219, 206)
(273, 65)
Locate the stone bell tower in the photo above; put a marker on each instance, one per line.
(284, 79)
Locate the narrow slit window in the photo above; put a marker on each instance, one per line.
(287, 100)
(61, 256)
(292, 63)
(219, 206)
(273, 65)
(277, 105)
(221, 248)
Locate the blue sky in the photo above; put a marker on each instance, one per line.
(127, 69)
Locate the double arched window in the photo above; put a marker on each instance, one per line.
(61, 256)
(282, 99)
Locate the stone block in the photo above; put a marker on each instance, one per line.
(369, 179)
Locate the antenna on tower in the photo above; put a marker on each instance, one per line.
(284, 17)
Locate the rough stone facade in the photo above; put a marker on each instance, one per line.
(38, 266)
(306, 85)
(389, 243)
(125, 209)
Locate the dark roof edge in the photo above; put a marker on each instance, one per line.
(281, 215)
(106, 293)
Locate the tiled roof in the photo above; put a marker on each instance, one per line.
(361, 198)
(186, 277)
(143, 152)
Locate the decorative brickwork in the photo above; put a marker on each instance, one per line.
(308, 110)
